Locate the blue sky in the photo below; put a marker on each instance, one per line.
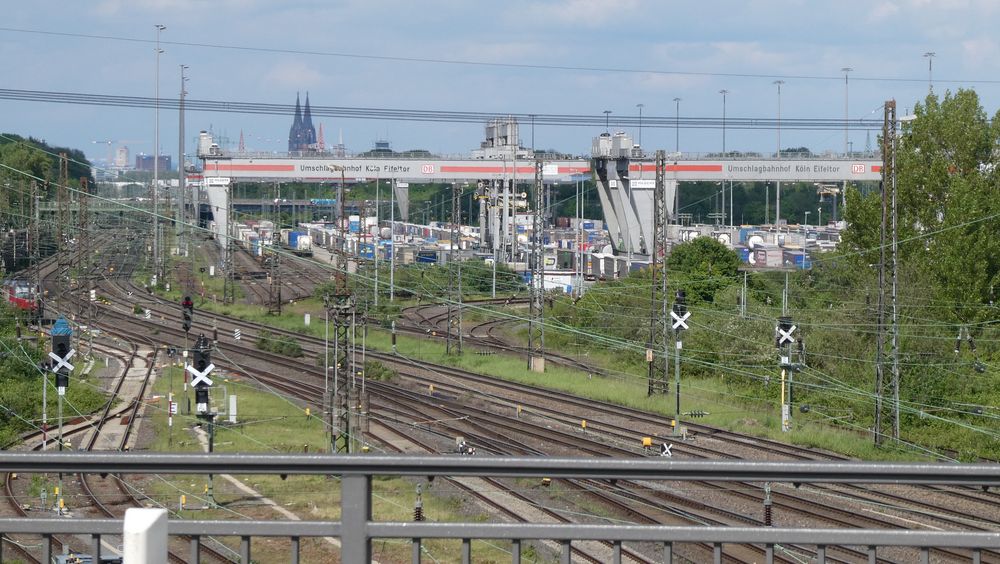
(880, 39)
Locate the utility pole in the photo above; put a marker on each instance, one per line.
(274, 284)
(63, 222)
(392, 240)
(454, 297)
(536, 330)
(157, 261)
(181, 222)
(343, 306)
(36, 253)
(658, 352)
(84, 263)
(887, 417)
(229, 283)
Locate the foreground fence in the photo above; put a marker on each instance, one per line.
(356, 529)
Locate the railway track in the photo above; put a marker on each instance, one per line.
(735, 441)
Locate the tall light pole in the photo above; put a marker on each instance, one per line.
(778, 83)
(640, 106)
(723, 92)
(846, 70)
(607, 121)
(677, 125)
(930, 70)
(156, 161)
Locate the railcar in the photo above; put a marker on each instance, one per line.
(20, 294)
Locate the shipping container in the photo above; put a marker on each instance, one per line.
(798, 260)
(304, 243)
(562, 222)
(427, 256)
(588, 224)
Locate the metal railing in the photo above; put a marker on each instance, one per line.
(356, 529)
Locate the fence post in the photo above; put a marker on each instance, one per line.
(356, 512)
(144, 534)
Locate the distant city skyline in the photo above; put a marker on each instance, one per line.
(581, 57)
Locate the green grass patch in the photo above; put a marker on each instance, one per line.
(268, 423)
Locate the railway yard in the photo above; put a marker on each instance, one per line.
(420, 407)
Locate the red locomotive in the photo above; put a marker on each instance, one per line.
(20, 294)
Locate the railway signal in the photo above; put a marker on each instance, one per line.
(200, 370)
(784, 338)
(61, 353)
(188, 310)
(680, 315)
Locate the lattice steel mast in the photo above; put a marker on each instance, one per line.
(659, 309)
(536, 330)
(887, 416)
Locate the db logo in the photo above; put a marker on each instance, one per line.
(858, 169)
(429, 169)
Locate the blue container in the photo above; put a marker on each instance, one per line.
(799, 260)
(745, 233)
(588, 224)
(744, 254)
(367, 251)
(355, 226)
(428, 257)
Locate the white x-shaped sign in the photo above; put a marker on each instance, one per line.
(786, 336)
(61, 362)
(665, 450)
(199, 376)
(679, 320)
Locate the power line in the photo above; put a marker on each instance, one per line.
(471, 62)
(439, 116)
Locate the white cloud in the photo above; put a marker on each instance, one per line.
(120, 7)
(980, 51)
(294, 73)
(583, 13)
(883, 11)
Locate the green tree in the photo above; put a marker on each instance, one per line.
(948, 215)
(702, 267)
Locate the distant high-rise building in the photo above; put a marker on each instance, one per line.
(302, 135)
(121, 158)
(145, 162)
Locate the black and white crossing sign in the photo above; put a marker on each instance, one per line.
(201, 377)
(786, 336)
(680, 321)
(237, 334)
(147, 314)
(173, 408)
(665, 450)
(62, 362)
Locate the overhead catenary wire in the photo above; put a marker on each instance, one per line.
(489, 64)
(436, 116)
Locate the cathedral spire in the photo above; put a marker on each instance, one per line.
(308, 131)
(295, 136)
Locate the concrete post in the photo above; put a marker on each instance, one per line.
(145, 536)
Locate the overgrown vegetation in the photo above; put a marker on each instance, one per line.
(278, 344)
(21, 385)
